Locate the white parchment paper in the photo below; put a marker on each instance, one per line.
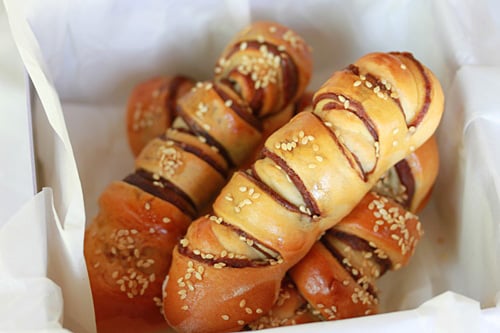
(84, 57)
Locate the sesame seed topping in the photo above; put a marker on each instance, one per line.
(357, 83)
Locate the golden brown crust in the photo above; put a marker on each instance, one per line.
(332, 156)
(128, 251)
(151, 108)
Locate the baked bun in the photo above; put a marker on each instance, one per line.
(151, 108)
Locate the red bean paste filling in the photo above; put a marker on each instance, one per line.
(406, 179)
(167, 191)
(294, 177)
(173, 92)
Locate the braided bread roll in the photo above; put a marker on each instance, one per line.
(151, 108)
(315, 170)
(129, 243)
(341, 268)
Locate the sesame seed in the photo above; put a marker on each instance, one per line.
(225, 317)
(357, 83)
(147, 206)
(403, 66)
(228, 103)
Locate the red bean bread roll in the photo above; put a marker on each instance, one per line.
(314, 171)
(341, 268)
